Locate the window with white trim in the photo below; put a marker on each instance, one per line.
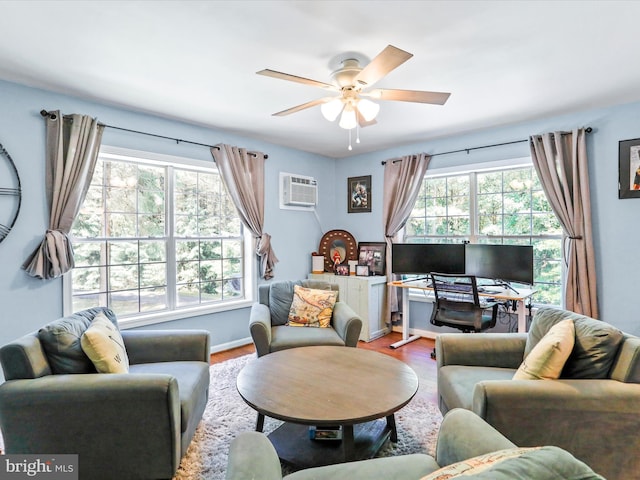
(504, 205)
(157, 235)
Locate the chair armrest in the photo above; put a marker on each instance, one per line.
(503, 350)
(260, 328)
(24, 358)
(347, 323)
(570, 414)
(464, 435)
(79, 413)
(252, 455)
(627, 366)
(151, 346)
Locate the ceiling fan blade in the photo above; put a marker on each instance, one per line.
(436, 98)
(362, 122)
(294, 78)
(303, 106)
(389, 59)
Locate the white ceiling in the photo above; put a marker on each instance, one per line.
(196, 61)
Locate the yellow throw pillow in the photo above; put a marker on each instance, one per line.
(311, 307)
(476, 465)
(547, 358)
(103, 344)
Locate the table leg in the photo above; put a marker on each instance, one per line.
(405, 323)
(348, 442)
(260, 422)
(522, 316)
(391, 424)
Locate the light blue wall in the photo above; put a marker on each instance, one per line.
(27, 303)
(616, 223)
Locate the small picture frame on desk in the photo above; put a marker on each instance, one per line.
(362, 270)
(342, 270)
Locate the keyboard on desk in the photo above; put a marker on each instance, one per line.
(455, 287)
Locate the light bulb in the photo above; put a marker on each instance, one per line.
(368, 109)
(332, 109)
(348, 118)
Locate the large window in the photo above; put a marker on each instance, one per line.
(156, 237)
(497, 206)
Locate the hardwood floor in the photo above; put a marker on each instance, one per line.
(416, 354)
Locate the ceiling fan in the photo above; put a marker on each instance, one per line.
(352, 82)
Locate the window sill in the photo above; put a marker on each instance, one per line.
(169, 316)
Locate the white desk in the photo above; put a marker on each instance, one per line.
(503, 294)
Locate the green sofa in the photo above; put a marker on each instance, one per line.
(591, 411)
(134, 425)
(462, 436)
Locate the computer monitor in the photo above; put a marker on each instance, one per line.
(423, 258)
(511, 263)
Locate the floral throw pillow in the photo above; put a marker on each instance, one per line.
(311, 307)
(478, 464)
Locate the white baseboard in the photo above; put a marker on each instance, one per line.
(221, 347)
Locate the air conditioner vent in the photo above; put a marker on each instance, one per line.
(299, 191)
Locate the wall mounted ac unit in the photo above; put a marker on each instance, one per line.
(298, 191)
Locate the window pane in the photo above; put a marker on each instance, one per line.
(123, 277)
(153, 299)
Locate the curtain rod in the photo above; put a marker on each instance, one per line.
(52, 116)
(588, 130)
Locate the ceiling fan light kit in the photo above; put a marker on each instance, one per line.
(350, 82)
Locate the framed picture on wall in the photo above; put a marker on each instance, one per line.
(373, 255)
(629, 168)
(359, 194)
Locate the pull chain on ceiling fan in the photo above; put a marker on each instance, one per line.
(351, 82)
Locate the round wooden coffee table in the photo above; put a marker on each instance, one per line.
(357, 389)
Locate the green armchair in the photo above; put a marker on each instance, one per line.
(592, 410)
(270, 333)
(53, 401)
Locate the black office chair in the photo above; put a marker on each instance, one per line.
(458, 304)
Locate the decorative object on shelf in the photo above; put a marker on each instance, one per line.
(359, 194)
(10, 193)
(629, 168)
(337, 247)
(362, 270)
(352, 267)
(342, 270)
(372, 254)
(317, 263)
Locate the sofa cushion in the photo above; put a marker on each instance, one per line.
(596, 348)
(103, 344)
(61, 342)
(284, 337)
(456, 383)
(280, 299)
(311, 307)
(540, 463)
(596, 342)
(548, 357)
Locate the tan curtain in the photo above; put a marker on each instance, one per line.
(243, 175)
(402, 180)
(561, 162)
(73, 143)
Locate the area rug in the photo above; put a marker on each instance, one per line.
(227, 414)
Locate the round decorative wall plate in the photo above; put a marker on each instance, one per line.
(10, 193)
(337, 246)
